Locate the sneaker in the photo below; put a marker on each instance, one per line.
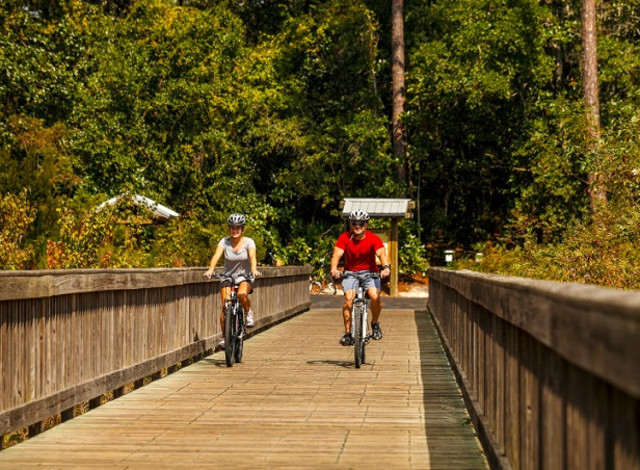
(249, 322)
(221, 345)
(346, 340)
(377, 332)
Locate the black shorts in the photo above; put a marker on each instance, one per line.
(249, 280)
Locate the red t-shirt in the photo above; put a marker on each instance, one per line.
(360, 255)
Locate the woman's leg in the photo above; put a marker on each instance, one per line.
(243, 296)
(224, 293)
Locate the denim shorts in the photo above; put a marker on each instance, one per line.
(351, 283)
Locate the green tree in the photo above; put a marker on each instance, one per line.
(477, 69)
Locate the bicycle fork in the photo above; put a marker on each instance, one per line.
(237, 328)
(360, 300)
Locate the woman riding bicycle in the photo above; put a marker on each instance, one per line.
(360, 248)
(240, 261)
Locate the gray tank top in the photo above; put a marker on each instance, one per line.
(237, 263)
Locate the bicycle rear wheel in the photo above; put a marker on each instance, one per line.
(229, 339)
(358, 335)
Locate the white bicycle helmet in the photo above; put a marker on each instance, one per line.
(358, 216)
(237, 220)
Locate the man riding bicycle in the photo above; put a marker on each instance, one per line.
(360, 248)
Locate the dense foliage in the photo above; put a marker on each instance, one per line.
(281, 109)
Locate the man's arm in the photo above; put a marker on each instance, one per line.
(335, 259)
(382, 254)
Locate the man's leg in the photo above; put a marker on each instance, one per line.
(347, 306)
(375, 303)
(376, 308)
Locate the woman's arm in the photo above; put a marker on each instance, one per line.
(254, 262)
(214, 261)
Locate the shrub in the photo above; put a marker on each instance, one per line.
(16, 220)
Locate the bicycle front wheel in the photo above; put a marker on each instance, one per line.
(358, 335)
(229, 339)
(239, 336)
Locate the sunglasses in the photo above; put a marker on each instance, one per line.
(357, 224)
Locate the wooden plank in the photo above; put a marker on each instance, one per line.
(593, 318)
(92, 335)
(512, 396)
(552, 412)
(498, 385)
(556, 414)
(577, 424)
(529, 407)
(49, 283)
(291, 402)
(37, 410)
(625, 432)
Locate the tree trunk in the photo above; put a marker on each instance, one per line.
(398, 138)
(597, 194)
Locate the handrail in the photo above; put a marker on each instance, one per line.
(549, 370)
(69, 336)
(47, 283)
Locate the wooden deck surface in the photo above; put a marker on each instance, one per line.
(296, 401)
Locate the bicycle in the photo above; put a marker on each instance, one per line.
(359, 323)
(234, 327)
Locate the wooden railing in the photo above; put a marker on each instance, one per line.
(67, 337)
(550, 371)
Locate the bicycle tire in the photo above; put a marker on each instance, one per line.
(239, 337)
(358, 335)
(229, 339)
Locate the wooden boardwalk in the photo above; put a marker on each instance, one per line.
(295, 402)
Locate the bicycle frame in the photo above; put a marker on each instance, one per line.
(233, 305)
(359, 314)
(234, 328)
